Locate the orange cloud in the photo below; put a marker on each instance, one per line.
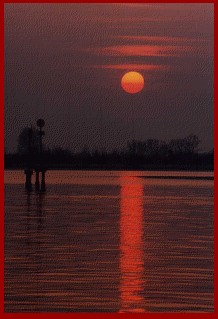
(143, 50)
(122, 19)
(133, 67)
(160, 39)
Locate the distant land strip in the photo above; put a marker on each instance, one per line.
(180, 177)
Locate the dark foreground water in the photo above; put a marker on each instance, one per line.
(109, 242)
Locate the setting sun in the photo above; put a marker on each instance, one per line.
(132, 82)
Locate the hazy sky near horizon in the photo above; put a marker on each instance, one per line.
(64, 63)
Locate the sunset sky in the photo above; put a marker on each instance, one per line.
(64, 63)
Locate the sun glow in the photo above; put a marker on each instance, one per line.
(132, 82)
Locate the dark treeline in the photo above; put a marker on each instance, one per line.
(152, 154)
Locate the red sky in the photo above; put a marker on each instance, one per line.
(64, 62)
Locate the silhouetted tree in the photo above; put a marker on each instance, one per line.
(191, 143)
(163, 152)
(96, 157)
(183, 150)
(136, 147)
(185, 145)
(24, 138)
(85, 151)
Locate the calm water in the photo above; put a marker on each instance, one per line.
(109, 242)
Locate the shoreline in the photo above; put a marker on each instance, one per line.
(180, 177)
(145, 169)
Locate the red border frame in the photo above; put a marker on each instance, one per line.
(2, 176)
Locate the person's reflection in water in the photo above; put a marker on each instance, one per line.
(30, 214)
(39, 257)
(39, 206)
(34, 257)
(27, 219)
(131, 246)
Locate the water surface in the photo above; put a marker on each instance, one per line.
(109, 242)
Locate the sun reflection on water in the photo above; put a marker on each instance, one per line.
(131, 246)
